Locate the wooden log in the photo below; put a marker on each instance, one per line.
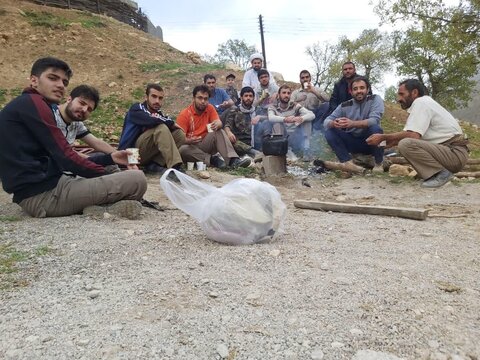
(402, 161)
(409, 213)
(333, 165)
(464, 174)
(274, 165)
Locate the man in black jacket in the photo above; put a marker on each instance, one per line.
(34, 154)
(156, 136)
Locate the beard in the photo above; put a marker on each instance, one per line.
(71, 115)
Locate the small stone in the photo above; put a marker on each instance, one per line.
(374, 355)
(222, 350)
(83, 342)
(425, 257)
(253, 296)
(433, 344)
(324, 266)
(112, 84)
(47, 338)
(213, 294)
(447, 287)
(317, 354)
(130, 232)
(337, 344)
(275, 253)
(93, 294)
(204, 174)
(31, 338)
(356, 332)
(341, 198)
(342, 281)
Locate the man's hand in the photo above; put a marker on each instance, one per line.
(230, 135)
(193, 140)
(343, 123)
(217, 125)
(298, 120)
(375, 139)
(289, 119)
(256, 119)
(120, 157)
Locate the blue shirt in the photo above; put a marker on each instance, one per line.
(218, 97)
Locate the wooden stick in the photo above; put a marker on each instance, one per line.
(402, 161)
(463, 174)
(453, 216)
(416, 214)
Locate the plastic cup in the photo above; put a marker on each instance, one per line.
(209, 128)
(200, 165)
(133, 156)
(190, 165)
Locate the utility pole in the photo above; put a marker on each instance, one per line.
(260, 20)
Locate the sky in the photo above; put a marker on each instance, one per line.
(289, 27)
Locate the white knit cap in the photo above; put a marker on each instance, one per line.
(256, 56)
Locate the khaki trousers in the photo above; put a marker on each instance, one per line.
(214, 142)
(73, 194)
(428, 158)
(161, 145)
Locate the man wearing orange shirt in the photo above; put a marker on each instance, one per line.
(203, 141)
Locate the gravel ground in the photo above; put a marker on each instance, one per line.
(333, 286)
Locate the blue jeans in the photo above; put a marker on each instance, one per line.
(344, 143)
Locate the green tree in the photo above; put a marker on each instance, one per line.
(371, 52)
(235, 51)
(441, 46)
(391, 94)
(325, 57)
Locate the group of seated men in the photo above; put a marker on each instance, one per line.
(48, 178)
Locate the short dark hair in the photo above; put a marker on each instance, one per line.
(411, 84)
(284, 86)
(246, 89)
(360, 78)
(349, 63)
(209, 76)
(230, 76)
(152, 86)
(304, 72)
(42, 64)
(262, 72)
(200, 88)
(87, 92)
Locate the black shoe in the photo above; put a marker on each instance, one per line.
(154, 169)
(216, 161)
(243, 162)
(179, 167)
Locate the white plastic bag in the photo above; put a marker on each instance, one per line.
(244, 211)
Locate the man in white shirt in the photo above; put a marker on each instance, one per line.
(251, 75)
(83, 100)
(432, 140)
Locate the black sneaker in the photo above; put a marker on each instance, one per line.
(243, 162)
(216, 161)
(154, 169)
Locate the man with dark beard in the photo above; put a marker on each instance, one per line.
(352, 122)
(341, 89)
(83, 100)
(287, 117)
(239, 122)
(432, 140)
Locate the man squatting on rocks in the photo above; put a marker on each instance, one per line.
(200, 144)
(34, 154)
(432, 140)
(287, 117)
(156, 136)
(352, 122)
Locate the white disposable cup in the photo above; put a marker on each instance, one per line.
(305, 84)
(190, 165)
(209, 128)
(200, 165)
(133, 156)
(383, 143)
